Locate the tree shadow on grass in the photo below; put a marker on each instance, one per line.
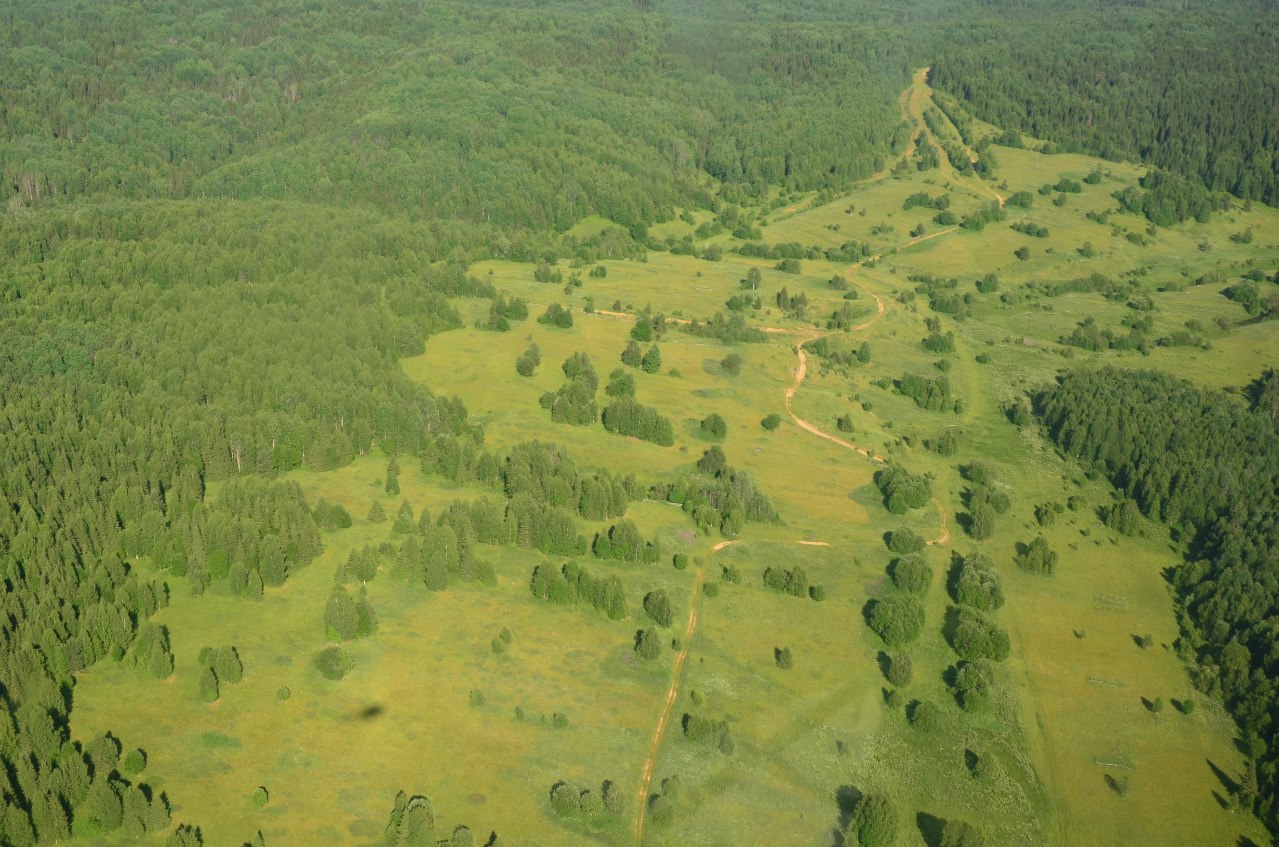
(930, 827)
(846, 797)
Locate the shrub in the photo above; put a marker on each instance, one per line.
(874, 823)
(902, 490)
(1036, 557)
(926, 716)
(898, 669)
(976, 583)
(906, 541)
(976, 636)
(332, 663)
(897, 619)
(911, 574)
(714, 426)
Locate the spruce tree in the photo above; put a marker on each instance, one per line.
(208, 685)
(632, 355)
(652, 362)
(341, 617)
(377, 514)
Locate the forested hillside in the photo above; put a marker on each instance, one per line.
(1209, 466)
(505, 116)
(1189, 88)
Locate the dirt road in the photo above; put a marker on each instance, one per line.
(672, 694)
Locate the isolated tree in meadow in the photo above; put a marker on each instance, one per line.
(714, 426)
(771, 422)
(377, 513)
(782, 656)
(392, 485)
(341, 618)
(652, 362)
(648, 645)
(732, 364)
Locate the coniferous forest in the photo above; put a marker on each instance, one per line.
(264, 270)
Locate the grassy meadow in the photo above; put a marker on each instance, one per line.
(1069, 719)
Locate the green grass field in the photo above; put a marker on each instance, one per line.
(1068, 707)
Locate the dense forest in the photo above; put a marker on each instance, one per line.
(1207, 465)
(511, 118)
(1187, 88)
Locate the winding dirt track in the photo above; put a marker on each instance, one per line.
(802, 371)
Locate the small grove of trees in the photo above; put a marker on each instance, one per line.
(572, 584)
(648, 645)
(330, 516)
(503, 312)
(708, 732)
(412, 824)
(1037, 557)
(622, 542)
(792, 581)
(930, 393)
(903, 490)
(911, 574)
(973, 634)
(593, 807)
(652, 361)
(975, 582)
(717, 496)
(557, 316)
(625, 416)
(984, 500)
(897, 619)
(218, 665)
(528, 361)
(574, 402)
(658, 606)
